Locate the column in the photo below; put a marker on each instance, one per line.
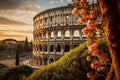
(42, 60)
(71, 34)
(63, 34)
(48, 51)
(62, 49)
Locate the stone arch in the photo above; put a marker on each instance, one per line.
(45, 47)
(45, 61)
(36, 48)
(67, 33)
(51, 60)
(59, 35)
(40, 61)
(76, 33)
(52, 34)
(46, 35)
(75, 46)
(51, 48)
(40, 47)
(67, 48)
(58, 48)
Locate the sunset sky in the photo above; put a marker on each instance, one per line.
(16, 16)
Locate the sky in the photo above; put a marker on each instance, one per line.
(16, 16)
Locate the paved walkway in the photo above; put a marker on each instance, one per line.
(8, 62)
(11, 63)
(27, 62)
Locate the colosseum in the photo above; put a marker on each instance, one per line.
(55, 33)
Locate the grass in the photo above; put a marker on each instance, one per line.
(68, 67)
(72, 66)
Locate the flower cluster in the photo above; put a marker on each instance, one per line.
(88, 15)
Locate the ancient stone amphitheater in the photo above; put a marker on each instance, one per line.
(55, 33)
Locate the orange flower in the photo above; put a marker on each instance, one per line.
(101, 69)
(93, 47)
(88, 58)
(95, 65)
(90, 76)
(75, 11)
(93, 14)
(81, 20)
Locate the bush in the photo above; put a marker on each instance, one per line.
(17, 73)
(72, 66)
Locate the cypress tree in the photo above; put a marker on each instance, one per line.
(18, 49)
(26, 46)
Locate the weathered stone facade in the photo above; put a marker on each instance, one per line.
(55, 33)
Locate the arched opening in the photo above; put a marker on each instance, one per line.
(58, 49)
(40, 61)
(40, 36)
(67, 34)
(76, 33)
(59, 34)
(51, 48)
(52, 34)
(40, 47)
(45, 47)
(45, 61)
(75, 46)
(67, 48)
(46, 36)
(51, 60)
(36, 48)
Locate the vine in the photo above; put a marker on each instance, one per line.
(89, 13)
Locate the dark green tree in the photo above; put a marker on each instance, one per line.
(18, 49)
(31, 46)
(3, 47)
(17, 73)
(26, 45)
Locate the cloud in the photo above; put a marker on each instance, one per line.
(61, 0)
(16, 31)
(53, 2)
(18, 35)
(70, 1)
(6, 21)
(10, 4)
(13, 4)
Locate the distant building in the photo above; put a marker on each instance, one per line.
(55, 33)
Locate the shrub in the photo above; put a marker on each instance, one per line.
(17, 73)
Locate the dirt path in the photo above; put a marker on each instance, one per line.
(8, 62)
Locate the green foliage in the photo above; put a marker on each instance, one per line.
(3, 47)
(16, 73)
(72, 66)
(68, 67)
(31, 46)
(17, 62)
(9, 40)
(103, 46)
(26, 46)
(18, 48)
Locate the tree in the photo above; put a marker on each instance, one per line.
(110, 11)
(17, 73)
(3, 47)
(26, 46)
(18, 49)
(31, 46)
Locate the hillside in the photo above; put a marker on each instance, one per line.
(72, 66)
